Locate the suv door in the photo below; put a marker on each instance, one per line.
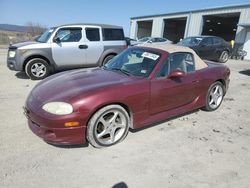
(168, 93)
(94, 44)
(66, 47)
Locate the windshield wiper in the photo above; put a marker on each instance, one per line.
(121, 70)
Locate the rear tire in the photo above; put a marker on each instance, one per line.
(107, 59)
(224, 57)
(37, 69)
(215, 95)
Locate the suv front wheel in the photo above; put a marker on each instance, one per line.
(37, 69)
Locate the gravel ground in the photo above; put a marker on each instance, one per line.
(201, 149)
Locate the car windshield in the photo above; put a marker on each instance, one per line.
(191, 41)
(134, 61)
(46, 35)
(144, 39)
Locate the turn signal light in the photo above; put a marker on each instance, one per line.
(71, 124)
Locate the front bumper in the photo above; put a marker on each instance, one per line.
(15, 63)
(51, 129)
(12, 65)
(59, 136)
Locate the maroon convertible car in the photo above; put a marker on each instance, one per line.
(141, 86)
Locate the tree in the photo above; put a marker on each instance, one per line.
(35, 29)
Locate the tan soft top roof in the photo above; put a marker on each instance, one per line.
(170, 48)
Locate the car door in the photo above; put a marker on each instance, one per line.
(169, 93)
(66, 47)
(206, 48)
(94, 45)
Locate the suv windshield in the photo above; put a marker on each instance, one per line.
(191, 41)
(46, 35)
(134, 61)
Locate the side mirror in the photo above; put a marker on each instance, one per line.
(56, 40)
(176, 74)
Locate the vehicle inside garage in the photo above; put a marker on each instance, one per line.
(144, 28)
(222, 25)
(174, 29)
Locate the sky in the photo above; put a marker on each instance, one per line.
(57, 12)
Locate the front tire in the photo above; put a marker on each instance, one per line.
(108, 126)
(37, 69)
(224, 57)
(215, 96)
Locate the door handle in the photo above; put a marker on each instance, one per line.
(195, 81)
(83, 46)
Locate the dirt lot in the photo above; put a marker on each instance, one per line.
(202, 149)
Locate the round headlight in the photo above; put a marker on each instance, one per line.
(58, 108)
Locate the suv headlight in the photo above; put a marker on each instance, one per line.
(12, 53)
(58, 108)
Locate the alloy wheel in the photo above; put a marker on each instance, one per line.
(224, 57)
(215, 96)
(110, 127)
(38, 70)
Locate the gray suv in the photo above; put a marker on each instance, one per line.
(66, 47)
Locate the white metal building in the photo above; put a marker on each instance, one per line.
(229, 22)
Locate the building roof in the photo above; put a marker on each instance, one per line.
(170, 48)
(194, 11)
(247, 25)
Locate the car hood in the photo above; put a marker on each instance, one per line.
(65, 86)
(21, 44)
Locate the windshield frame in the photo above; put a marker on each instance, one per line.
(148, 50)
(46, 35)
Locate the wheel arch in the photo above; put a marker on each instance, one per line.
(126, 107)
(105, 54)
(33, 57)
(220, 51)
(111, 53)
(223, 83)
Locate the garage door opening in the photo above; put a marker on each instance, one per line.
(174, 29)
(221, 25)
(144, 29)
